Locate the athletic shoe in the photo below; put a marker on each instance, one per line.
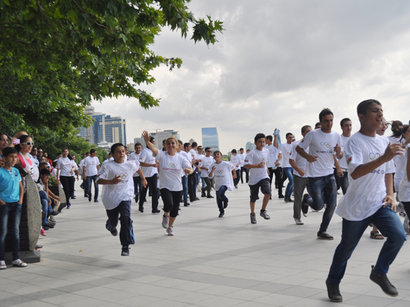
(253, 218)
(170, 231)
(52, 219)
(156, 211)
(383, 282)
(55, 213)
(18, 263)
(125, 251)
(186, 204)
(209, 196)
(165, 221)
(3, 265)
(264, 215)
(42, 232)
(141, 208)
(221, 215)
(324, 236)
(298, 222)
(288, 199)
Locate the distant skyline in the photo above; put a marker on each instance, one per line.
(277, 65)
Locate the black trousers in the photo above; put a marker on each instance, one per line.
(191, 187)
(279, 179)
(66, 181)
(153, 187)
(171, 201)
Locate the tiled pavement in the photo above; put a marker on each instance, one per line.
(209, 261)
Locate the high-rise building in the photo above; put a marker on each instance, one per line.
(105, 129)
(210, 138)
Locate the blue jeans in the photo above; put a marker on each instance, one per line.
(185, 188)
(123, 213)
(389, 225)
(137, 187)
(10, 212)
(89, 180)
(342, 182)
(288, 173)
(221, 198)
(323, 191)
(45, 206)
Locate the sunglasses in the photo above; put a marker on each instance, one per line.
(28, 143)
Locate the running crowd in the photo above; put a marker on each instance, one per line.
(368, 167)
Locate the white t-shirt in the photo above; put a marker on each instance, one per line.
(393, 140)
(273, 155)
(206, 162)
(322, 145)
(65, 166)
(365, 194)
(256, 156)
(91, 164)
(134, 156)
(223, 175)
(75, 167)
(404, 187)
(114, 194)
(343, 142)
(242, 158)
(235, 161)
(286, 150)
(147, 156)
(170, 170)
(299, 160)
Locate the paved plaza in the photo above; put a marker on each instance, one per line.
(209, 261)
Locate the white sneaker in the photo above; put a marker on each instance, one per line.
(298, 222)
(3, 265)
(18, 263)
(165, 221)
(170, 231)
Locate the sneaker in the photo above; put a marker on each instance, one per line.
(141, 208)
(281, 196)
(253, 218)
(186, 204)
(96, 200)
(209, 196)
(111, 229)
(125, 251)
(264, 215)
(170, 231)
(324, 236)
(288, 200)
(333, 292)
(383, 282)
(298, 222)
(68, 206)
(19, 263)
(225, 204)
(52, 219)
(165, 221)
(54, 213)
(221, 215)
(156, 211)
(50, 224)
(3, 265)
(42, 232)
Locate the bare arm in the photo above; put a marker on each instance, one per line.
(21, 192)
(296, 167)
(304, 154)
(114, 180)
(143, 180)
(151, 146)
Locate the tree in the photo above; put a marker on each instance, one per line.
(58, 55)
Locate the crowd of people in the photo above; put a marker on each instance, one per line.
(369, 169)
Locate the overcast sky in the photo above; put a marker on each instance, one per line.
(277, 64)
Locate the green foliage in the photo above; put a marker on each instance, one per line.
(56, 56)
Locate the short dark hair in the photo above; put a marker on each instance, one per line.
(233, 151)
(115, 146)
(8, 151)
(289, 133)
(241, 148)
(186, 145)
(317, 125)
(217, 151)
(207, 148)
(194, 144)
(269, 137)
(324, 112)
(304, 128)
(92, 151)
(45, 172)
(259, 136)
(137, 144)
(365, 104)
(180, 142)
(342, 122)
